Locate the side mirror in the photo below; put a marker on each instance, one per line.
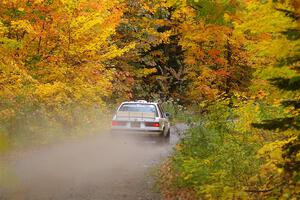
(168, 115)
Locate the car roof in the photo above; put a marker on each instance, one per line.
(139, 102)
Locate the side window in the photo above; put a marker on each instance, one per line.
(161, 111)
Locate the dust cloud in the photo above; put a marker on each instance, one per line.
(103, 167)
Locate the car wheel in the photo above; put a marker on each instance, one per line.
(165, 134)
(168, 133)
(161, 134)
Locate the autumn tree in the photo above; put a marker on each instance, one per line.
(244, 59)
(54, 56)
(156, 65)
(273, 40)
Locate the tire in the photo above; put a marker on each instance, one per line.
(165, 135)
(168, 133)
(161, 134)
(165, 138)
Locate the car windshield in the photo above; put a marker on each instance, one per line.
(146, 108)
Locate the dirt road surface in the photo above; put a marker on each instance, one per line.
(102, 167)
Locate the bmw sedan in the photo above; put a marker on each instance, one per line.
(141, 116)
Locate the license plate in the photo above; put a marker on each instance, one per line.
(135, 124)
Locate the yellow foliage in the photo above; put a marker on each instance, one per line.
(53, 57)
(249, 113)
(145, 72)
(22, 25)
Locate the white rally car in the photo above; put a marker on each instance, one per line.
(141, 116)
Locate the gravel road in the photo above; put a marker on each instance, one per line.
(102, 167)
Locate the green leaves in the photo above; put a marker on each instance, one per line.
(214, 12)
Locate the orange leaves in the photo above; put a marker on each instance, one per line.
(190, 60)
(214, 53)
(222, 72)
(217, 58)
(213, 47)
(261, 94)
(220, 61)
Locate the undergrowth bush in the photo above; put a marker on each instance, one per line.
(214, 159)
(30, 128)
(178, 112)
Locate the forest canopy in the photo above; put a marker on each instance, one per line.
(235, 62)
